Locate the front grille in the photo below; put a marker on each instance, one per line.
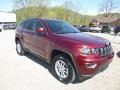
(104, 51)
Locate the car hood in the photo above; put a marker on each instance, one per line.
(85, 39)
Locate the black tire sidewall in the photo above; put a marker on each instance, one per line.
(71, 71)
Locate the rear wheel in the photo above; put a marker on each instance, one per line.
(63, 69)
(19, 48)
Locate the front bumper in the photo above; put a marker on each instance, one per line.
(99, 64)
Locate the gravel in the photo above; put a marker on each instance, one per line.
(30, 73)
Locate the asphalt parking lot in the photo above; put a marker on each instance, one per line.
(30, 73)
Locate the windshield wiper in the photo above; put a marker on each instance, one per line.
(60, 32)
(65, 32)
(74, 32)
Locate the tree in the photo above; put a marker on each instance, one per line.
(108, 6)
(59, 12)
(69, 10)
(74, 6)
(30, 8)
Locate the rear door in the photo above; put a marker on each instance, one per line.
(27, 34)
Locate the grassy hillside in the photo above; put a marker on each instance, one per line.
(55, 13)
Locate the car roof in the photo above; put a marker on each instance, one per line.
(44, 19)
(49, 19)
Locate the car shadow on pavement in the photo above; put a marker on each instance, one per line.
(118, 54)
(41, 62)
(47, 66)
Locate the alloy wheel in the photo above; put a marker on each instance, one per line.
(61, 69)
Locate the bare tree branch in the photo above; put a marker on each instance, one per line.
(108, 6)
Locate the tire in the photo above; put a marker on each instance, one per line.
(62, 68)
(102, 31)
(19, 48)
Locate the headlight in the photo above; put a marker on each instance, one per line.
(87, 51)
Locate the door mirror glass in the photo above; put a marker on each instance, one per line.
(39, 30)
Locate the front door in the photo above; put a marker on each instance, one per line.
(39, 40)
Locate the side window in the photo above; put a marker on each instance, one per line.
(21, 25)
(29, 25)
(37, 24)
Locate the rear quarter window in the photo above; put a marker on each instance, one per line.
(26, 25)
(21, 25)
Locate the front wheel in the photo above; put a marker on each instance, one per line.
(63, 69)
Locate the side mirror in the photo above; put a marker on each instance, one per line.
(40, 30)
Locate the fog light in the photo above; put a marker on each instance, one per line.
(91, 65)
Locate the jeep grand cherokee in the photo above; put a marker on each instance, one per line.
(72, 54)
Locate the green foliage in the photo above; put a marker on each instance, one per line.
(55, 13)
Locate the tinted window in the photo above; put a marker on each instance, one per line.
(22, 25)
(54, 26)
(37, 24)
(61, 27)
(28, 25)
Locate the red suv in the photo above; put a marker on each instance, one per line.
(72, 54)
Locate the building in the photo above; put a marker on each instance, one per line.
(7, 20)
(106, 21)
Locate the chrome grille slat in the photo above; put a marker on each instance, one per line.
(104, 51)
(107, 49)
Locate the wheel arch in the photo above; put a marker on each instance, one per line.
(17, 39)
(69, 55)
(57, 51)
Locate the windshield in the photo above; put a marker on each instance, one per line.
(61, 27)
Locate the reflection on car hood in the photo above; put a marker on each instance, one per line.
(85, 39)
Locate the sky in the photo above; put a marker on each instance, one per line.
(89, 7)
(6, 5)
